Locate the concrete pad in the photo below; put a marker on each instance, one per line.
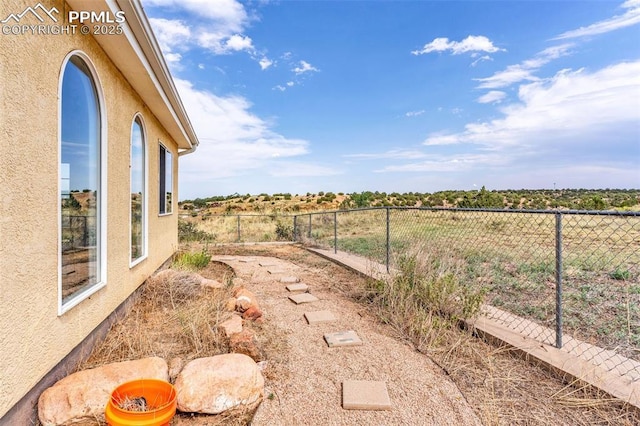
(276, 271)
(303, 298)
(245, 260)
(265, 264)
(297, 287)
(342, 338)
(319, 316)
(289, 280)
(365, 395)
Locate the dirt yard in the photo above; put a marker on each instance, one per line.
(459, 381)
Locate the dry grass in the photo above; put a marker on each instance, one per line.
(502, 388)
(173, 317)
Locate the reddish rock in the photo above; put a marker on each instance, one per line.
(252, 314)
(245, 300)
(245, 343)
(83, 395)
(219, 383)
(231, 326)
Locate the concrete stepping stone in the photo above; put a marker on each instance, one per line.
(319, 316)
(245, 260)
(289, 280)
(297, 287)
(365, 395)
(303, 298)
(342, 338)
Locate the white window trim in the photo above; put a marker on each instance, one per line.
(102, 282)
(145, 198)
(160, 144)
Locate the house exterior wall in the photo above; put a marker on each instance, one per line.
(33, 336)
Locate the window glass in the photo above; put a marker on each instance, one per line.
(138, 209)
(166, 180)
(79, 180)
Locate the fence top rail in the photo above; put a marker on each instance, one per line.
(487, 210)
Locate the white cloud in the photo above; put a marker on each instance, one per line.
(304, 67)
(170, 33)
(574, 107)
(415, 113)
(229, 16)
(447, 163)
(469, 44)
(233, 141)
(222, 44)
(280, 88)
(404, 154)
(481, 59)
(629, 18)
(494, 96)
(441, 138)
(265, 63)
(214, 25)
(524, 71)
(173, 57)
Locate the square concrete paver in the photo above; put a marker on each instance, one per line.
(365, 395)
(297, 287)
(303, 298)
(342, 338)
(289, 280)
(319, 316)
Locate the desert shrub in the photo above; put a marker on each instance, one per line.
(192, 260)
(188, 232)
(425, 299)
(284, 232)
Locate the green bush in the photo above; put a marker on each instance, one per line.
(192, 260)
(284, 232)
(188, 232)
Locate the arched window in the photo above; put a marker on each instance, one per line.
(138, 194)
(81, 184)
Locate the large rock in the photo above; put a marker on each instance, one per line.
(245, 343)
(219, 383)
(83, 395)
(245, 299)
(231, 326)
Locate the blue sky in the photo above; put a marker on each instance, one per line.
(307, 96)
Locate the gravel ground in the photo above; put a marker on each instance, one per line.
(304, 383)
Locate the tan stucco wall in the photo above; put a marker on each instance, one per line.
(33, 338)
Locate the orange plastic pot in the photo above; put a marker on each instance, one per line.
(159, 399)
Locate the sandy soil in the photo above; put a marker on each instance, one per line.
(305, 388)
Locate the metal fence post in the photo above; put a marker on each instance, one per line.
(238, 228)
(295, 228)
(335, 232)
(558, 280)
(388, 238)
(309, 226)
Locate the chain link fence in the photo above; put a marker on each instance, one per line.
(246, 228)
(566, 278)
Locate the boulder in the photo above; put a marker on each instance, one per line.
(83, 395)
(231, 326)
(219, 383)
(245, 343)
(252, 314)
(245, 300)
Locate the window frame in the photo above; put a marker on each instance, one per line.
(162, 189)
(145, 193)
(101, 213)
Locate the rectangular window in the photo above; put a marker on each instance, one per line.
(166, 180)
